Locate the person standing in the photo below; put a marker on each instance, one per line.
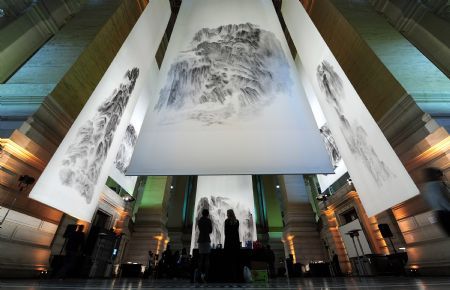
(336, 265)
(270, 255)
(232, 245)
(436, 194)
(204, 243)
(151, 263)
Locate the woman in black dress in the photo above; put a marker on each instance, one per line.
(232, 245)
(204, 243)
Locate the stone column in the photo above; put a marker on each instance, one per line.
(273, 209)
(301, 237)
(176, 210)
(150, 233)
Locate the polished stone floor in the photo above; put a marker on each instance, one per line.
(385, 283)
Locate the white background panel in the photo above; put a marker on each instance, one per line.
(138, 51)
(129, 182)
(378, 175)
(229, 192)
(281, 138)
(340, 169)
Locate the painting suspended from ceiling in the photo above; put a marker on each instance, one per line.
(118, 171)
(227, 74)
(228, 100)
(218, 194)
(84, 159)
(339, 168)
(377, 173)
(75, 177)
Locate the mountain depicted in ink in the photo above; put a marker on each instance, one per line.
(330, 145)
(123, 157)
(218, 206)
(227, 73)
(85, 157)
(356, 137)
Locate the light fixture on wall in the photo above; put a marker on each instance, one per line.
(349, 181)
(277, 186)
(323, 197)
(25, 181)
(2, 13)
(128, 198)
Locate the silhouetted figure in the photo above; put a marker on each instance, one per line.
(290, 266)
(204, 243)
(183, 264)
(436, 194)
(75, 242)
(270, 261)
(151, 263)
(232, 245)
(167, 261)
(336, 267)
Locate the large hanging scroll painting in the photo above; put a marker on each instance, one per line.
(123, 157)
(377, 173)
(219, 194)
(229, 100)
(325, 181)
(73, 179)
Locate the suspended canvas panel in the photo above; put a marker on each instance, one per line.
(219, 194)
(325, 180)
(74, 177)
(123, 156)
(228, 100)
(378, 175)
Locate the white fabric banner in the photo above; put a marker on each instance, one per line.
(229, 100)
(219, 194)
(77, 172)
(123, 156)
(377, 173)
(339, 167)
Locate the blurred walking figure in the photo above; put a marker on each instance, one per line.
(436, 193)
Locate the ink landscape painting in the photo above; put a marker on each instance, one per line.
(227, 90)
(227, 74)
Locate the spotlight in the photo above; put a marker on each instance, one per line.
(322, 197)
(277, 186)
(128, 198)
(171, 187)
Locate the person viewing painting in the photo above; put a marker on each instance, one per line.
(232, 245)
(204, 243)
